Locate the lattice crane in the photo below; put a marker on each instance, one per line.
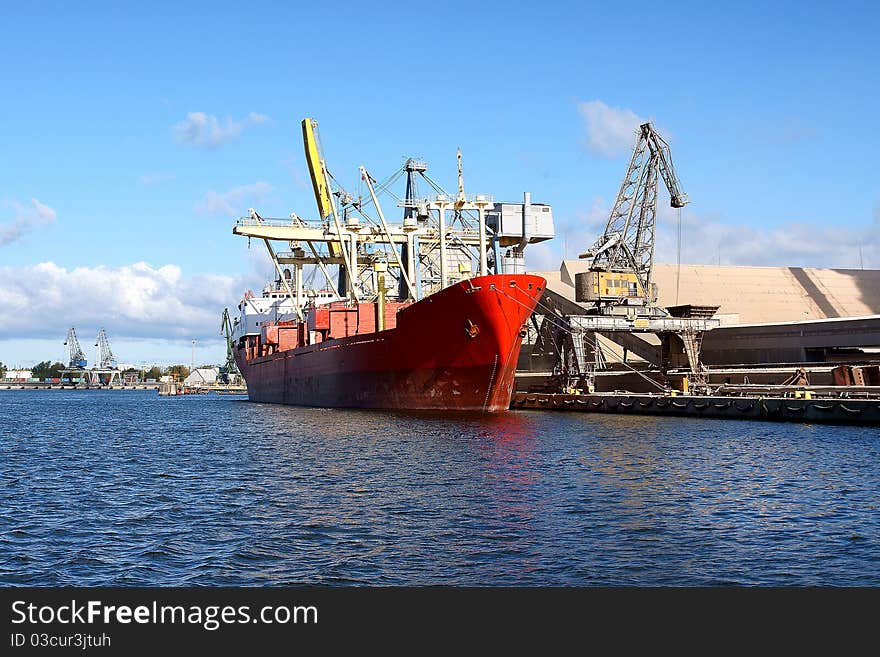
(105, 355)
(77, 359)
(620, 274)
(229, 368)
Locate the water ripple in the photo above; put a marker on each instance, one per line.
(131, 489)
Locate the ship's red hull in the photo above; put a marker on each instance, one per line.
(454, 350)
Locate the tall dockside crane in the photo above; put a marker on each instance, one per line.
(618, 294)
(620, 276)
(106, 359)
(77, 359)
(229, 369)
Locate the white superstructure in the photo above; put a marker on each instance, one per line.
(275, 305)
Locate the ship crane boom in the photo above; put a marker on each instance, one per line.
(326, 207)
(658, 145)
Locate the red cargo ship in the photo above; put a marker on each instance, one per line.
(453, 350)
(403, 325)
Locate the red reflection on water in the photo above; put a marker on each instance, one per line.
(510, 443)
(513, 431)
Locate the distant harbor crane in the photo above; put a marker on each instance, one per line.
(106, 359)
(229, 371)
(77, 359)
(105, 372)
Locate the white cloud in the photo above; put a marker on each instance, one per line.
(542, 257)
(133, 301)
(610, 130)
(44, 213)
(26, 219)
(709, 239)
(207, 131)
(233, 202)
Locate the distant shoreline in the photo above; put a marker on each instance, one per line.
(59, 386)
(141, 386)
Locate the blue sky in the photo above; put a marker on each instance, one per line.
(137, 134)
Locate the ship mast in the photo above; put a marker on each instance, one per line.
(411, 292)
(412, 213)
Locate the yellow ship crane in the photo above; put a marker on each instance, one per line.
(317, 168)
(620, 275)
(326, 207)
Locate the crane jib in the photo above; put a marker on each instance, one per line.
(623, 257)
(316, 169)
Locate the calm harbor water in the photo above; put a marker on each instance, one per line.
(127, 488)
